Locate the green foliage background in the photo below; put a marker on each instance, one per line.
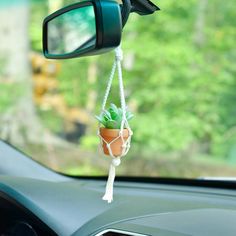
(183, 88)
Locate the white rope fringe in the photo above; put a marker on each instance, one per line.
(124, 125)
(110, 182)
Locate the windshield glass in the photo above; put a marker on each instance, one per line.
(180, 82)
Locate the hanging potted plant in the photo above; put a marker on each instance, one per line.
(113, 137)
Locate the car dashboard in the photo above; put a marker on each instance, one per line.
(74, 207)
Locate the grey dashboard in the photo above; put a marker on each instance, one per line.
(75, 207)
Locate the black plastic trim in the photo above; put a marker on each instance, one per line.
(143, 7)
(27, 214)
(219, 184)
(125, 11)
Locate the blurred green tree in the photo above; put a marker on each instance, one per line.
(179, 74)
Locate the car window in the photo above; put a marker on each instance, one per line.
(179, 76)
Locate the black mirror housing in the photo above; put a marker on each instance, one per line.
(107, 35)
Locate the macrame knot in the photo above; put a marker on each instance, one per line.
(119, 54)
(116, 162)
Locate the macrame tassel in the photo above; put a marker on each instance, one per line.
(110, 182)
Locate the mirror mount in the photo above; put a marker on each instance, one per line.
(141, 7)
(125, 11)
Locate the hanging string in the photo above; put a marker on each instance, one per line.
(119, 58)
(108, 196)
(108, 89)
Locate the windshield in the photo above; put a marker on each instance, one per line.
(180, 82)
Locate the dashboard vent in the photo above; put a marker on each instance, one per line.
(114, 232)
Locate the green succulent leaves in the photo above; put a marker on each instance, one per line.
(112, 117)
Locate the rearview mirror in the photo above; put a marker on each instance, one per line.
(85, 28)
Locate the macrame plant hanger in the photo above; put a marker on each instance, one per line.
(116, 160)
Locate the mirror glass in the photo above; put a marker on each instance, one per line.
(71, 31)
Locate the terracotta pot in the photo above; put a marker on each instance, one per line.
(111, 134)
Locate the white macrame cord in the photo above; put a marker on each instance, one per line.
(124, 124)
